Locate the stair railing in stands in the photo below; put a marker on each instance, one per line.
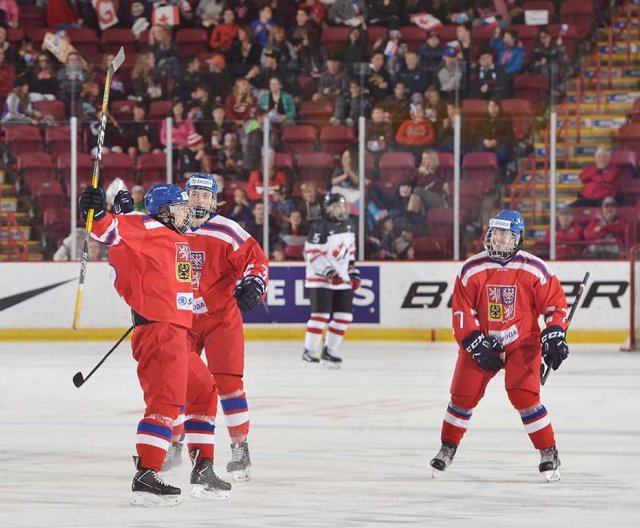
(20, 246)
(519, 188)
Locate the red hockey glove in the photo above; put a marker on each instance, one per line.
(356, 281)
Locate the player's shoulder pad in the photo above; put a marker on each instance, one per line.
(473, 262)
(318, 232)
(534, 264)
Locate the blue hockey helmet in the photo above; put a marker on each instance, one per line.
(169, 204)
(203, 203)
(505, 235)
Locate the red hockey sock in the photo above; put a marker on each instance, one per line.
(455, 423)
(152, 442)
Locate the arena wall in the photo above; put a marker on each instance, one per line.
(398, 301)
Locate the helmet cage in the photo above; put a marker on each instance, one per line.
(506, 253)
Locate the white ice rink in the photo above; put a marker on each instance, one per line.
(329, 448)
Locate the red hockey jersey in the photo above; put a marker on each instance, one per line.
(506, 299)
(150, 266)
(222, 253)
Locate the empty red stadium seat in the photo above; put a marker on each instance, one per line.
(473, 111)
(114, 38)
(284, 161)
(121, 110)
(482, 168)
(413, 36)
(317, 167)
(152, 167)
(84, 40)
(335, 139)
(84, 170)
(299, 139)
(534, 87)
(521, 113)
(15, 36)
(53, 108)
(432, 248)
(308, 85)
(58, 140)
(579, 14)
(23, 139)
(395, 167)
(47, 194)
(334, 38)
(191, 41)
(315, 112)
(34, 167)
(115, 165)
(159, 109)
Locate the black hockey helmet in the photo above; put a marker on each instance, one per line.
(336, 207)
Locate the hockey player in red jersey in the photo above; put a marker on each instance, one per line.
(498, 297)
(151, 266)
(331, 278)
(230, 275)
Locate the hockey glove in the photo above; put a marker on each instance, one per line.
(122, 203)
(331, 275)
(249, 292)
(554, 346)
(354, 275)
(483, 350)
(93, 199)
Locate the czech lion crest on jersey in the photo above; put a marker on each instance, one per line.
(197, 263)
(502, 303)
(183, 262)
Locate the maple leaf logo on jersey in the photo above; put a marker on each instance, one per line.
(183, 262)
(197, 263)
(340, 252)
(502, 303)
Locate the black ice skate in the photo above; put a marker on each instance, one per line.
(309, 359)
(150, 491)
(443, 459)
(173, 458)
(329, 360)
(238, 468)
(206, 484)
(550, 464)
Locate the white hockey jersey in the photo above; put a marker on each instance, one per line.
(329, 245)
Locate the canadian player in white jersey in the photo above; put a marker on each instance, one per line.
(498, 297)
(331, 278)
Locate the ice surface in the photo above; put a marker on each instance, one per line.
(329, 448)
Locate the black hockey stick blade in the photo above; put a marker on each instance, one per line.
(544, 369)
(117, 60)
(79, 379)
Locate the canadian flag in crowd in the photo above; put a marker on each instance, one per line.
(166, 15)
(425, 21)
(105, 12)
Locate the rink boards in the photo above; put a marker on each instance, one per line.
(397, 301)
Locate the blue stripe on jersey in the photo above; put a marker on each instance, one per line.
(191, 426)
(234, 404)
(110, 238)
(534, 415)
(182, 407)
(224, 229)
(473, 264)
(532, 262)
(159, 430)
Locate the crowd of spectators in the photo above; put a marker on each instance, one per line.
(259, 62)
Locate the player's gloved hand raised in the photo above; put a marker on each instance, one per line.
(93, 199)
(483, 350)
(554, 346)
(123, 203)
(249, 292)
(354, 275)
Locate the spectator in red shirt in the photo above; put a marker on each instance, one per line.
(600, 180)
(225, 34)
(277, 180)
(567, 231)
(610, 228)
(416, 133)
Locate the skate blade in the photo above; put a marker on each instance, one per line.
(552, 475)
(331, 365)
(309, 364)
(241, 475)
(142, 499)
(436, 473)
(201, 492)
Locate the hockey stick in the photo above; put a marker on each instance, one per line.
(113, 67)
(79, 379)
(544, 369)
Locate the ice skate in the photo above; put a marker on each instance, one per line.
(173, 458)
(238, 468)
(206, 484)
(550, 464)
(308, 359)
(329, 360)
(149, 491)
(443, 459)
